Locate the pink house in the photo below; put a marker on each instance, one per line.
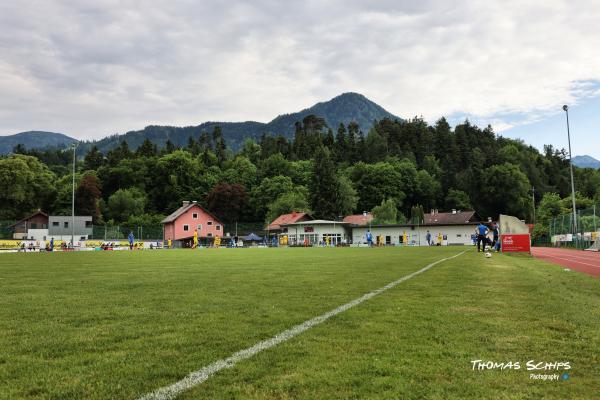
(180, 225)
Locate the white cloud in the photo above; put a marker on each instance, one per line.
(109, 66)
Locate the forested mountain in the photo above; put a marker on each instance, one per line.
(34, 140)
(346, 108)
(397, 170)
(586, 162)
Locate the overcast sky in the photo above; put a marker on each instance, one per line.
(93, 68)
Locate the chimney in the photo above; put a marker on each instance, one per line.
(454, 211)
(186, 203)
(194, 201)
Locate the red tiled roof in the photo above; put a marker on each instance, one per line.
(358, 219)
(448, 218)
(287, 219)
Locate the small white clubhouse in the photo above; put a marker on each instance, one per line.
(454, 228)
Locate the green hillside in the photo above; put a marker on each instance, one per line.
(34, 140)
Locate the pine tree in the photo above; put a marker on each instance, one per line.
(328, 140)
(192, 146)
(204, 141)
(341, 144)
(169, 147)
(219, 145)
(324, 185)
(93, 159)
(147, 149)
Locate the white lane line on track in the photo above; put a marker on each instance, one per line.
(571, 253)
(568, 259)
(578, 257)
(197, 377)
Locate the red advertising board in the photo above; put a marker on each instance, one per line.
(516, 243)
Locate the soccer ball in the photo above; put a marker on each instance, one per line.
(488, 254)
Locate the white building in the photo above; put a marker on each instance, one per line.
(451, 235)
(315, 232)
(456, 228)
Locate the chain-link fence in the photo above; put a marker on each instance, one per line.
(155, 232)
(580, 231)
(245, 228)
(144, 232)
(6, 229)
(140, 232)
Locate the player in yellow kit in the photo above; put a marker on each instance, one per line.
(195, 239)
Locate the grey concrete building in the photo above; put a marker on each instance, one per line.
(61, 227)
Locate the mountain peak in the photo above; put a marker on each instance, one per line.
(343, 109)
(586, 162)
(350, 95)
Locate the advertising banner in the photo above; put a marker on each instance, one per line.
(516, 243)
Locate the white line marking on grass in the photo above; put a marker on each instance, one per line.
(197, 377)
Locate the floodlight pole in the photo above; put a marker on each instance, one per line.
(533, 198)
(566, 110)
(73, 201)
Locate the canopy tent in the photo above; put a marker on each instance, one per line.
(252, 238)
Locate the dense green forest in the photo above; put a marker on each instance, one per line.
(397, 170)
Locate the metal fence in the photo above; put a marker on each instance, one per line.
(562, 231)
(6, 231)
(145, 232)
(141, 232)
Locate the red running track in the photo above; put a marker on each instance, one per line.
(578, 260)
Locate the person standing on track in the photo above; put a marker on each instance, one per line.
(481, 230)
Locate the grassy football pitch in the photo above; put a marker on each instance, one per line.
(112, 325)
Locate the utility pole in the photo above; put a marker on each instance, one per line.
(533, 198)
(566, 110)
(73, 201)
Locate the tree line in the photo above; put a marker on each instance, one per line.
(399, 170)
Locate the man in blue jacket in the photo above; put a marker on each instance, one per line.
(369, 236)
(481, 232)
(131, 240)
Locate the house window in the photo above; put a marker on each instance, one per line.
(66, 224)
(55, 223)
(186, 228)
(218, 227)
(88, 224)
(199, 227)
(33, 225)
(209, 234)
(209, 223)
(195, 215)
